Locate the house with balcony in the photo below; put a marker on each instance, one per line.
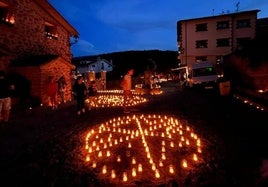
(35, 41)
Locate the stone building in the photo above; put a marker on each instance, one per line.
(35, 43)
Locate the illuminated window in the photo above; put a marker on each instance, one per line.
(51, 31)
(201, 44)
(201, 27)
(6, 16)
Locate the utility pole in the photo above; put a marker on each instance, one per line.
(237, 6)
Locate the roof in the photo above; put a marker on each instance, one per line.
(38, 60)
(85, 61)
(56, 15)
(222, 15)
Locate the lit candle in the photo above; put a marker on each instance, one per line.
(139, 168)
(184, 164)
(124, 176)
(171, 169)
(118, 159)
(113, 174)
(104, 169)
(134, 173)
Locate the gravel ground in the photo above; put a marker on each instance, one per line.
(42, 147)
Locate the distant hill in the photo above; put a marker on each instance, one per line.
(164, 60)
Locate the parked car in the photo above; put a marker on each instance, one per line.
(202, 74)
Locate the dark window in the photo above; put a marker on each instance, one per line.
(223, 42)
(51, 31)
(102, 66)
(201, 27)
(201, 44)
(222, 25)
(243, 23)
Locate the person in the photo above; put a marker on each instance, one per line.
(126, 86)
(52, 91)
(6, 87)
(92, 92)
(62, 88)
(80, 92)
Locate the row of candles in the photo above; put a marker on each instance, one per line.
(251, 103)
(111, 100)
(140, 135)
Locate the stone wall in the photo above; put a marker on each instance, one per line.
(27, 36)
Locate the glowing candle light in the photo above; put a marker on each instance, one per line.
(133, 160)
(94, 143)
(88, 158)
(160, 163)
(94, 164)
(157, 175)
(198, 143)
(104, 169)
(171, 144)
(171, 169)
(113, 175)
(124, 176)
(153, 167)
(118, 159)
(184, 164)
(163, 156)
(139, 168)
(108, 154)
(100, 154)
(134, 173)
(195, 157)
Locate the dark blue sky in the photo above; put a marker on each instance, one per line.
(107, 26)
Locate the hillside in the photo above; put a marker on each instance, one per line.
(164, 60)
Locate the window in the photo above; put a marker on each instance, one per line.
(201, 44)
(6, 16)
(201, 27)
(223, 42)
(206, 71)
(51, 31)
(243, 23)
(222, 25)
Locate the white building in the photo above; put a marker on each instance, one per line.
(97, 66)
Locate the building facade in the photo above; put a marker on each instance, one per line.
(32, 30)
(211, 38)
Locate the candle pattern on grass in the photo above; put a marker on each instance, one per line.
(142, 147)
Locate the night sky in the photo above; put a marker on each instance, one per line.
(107, 26)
